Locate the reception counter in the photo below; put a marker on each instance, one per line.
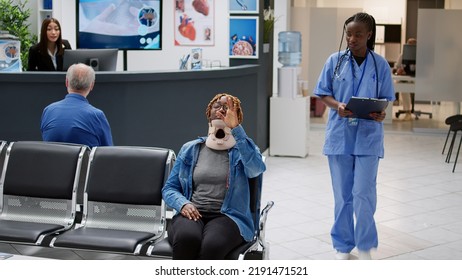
(162, 109)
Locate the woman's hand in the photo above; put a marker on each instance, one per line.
(230, 115)
(190, 211)
(378, 117)
(343, 111)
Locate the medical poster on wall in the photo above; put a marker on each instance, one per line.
(243, 6)
(194, 23)
(243, 41)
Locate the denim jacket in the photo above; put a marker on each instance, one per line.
(245, 162)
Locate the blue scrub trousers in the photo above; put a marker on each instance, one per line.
(354, 180)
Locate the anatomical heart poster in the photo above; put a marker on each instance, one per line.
(194, 22)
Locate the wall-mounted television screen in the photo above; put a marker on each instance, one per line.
(119, 24)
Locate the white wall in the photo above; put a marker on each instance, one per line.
(282, 14)
(390, 11)
(168, 57)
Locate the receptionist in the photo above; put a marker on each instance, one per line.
(47, 54)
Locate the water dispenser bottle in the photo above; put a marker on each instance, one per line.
(290, 48)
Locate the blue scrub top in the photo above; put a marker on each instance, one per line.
(346, 136)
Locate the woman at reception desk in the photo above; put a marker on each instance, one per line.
(47, 55)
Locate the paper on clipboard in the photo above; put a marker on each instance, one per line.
(362, 107)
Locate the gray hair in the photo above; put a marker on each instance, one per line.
(80, 77)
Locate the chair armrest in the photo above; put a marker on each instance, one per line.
(264, 215)
(261, 236)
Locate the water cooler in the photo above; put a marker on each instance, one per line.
(10, 55)
(289, 110)
(290, 56)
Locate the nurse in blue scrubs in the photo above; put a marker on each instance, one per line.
(354, 146)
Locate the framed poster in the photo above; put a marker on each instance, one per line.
(243, 41)
(194, 23)
(243, 6)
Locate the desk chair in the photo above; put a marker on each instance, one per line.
(38, 189)
(417, 114)
(123, 208)
(258, 248)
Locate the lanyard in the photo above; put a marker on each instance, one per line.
(355, 93)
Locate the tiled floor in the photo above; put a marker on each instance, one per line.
(419, 213)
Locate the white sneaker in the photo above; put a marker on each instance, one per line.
(342, 256)
(364, 255)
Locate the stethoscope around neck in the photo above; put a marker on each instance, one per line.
(350, 59)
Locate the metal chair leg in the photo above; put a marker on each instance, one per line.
(457, 155)
(448, 157)
(445, 142)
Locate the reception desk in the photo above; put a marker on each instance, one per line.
(163, 109)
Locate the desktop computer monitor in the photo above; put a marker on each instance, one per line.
(409, 59)
(98, 59)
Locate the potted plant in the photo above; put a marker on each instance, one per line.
(14, 17)
(268, 27)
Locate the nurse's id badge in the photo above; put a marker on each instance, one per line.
(352, 121)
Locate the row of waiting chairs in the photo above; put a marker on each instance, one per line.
(107, 199)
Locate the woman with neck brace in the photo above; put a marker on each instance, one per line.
(208, 186)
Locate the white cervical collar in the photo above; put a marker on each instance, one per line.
(219, 137)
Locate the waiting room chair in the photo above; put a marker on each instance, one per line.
(123, 208)
(38, 189)
(2, 154)
(258, 248)
(450, 120)
(454, 127)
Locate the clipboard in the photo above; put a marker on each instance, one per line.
(362, 107)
